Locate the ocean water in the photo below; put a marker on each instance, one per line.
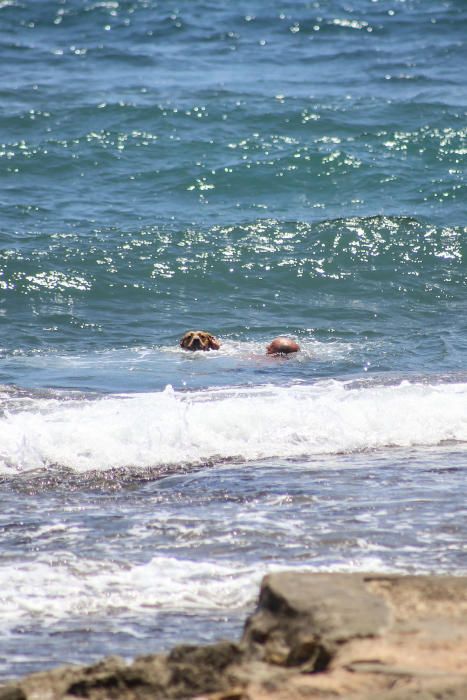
(253, 169)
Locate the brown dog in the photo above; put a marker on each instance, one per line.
(282, 346)
(199, 340)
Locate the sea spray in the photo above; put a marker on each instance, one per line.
(193, 428)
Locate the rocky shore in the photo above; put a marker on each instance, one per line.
(358, 636)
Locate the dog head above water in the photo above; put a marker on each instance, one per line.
(199, 340)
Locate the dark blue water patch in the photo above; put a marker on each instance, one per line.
(217, 160)
(106, 120)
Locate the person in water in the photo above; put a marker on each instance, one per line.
(202, 340)
(282, 346)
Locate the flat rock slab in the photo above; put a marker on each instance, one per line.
(356, 636)
(302, 616)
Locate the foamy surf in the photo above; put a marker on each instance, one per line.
(193, 428)
(52, 589)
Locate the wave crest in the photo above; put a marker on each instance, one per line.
(172, 428)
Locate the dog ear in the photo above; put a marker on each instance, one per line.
(185, 339)
(214, 343)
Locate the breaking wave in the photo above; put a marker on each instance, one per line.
(215, 425)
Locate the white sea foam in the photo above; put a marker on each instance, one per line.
(141, 357)
(55, 588)
(242, 350)
(169, 428)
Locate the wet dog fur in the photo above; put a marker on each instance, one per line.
(199, 340)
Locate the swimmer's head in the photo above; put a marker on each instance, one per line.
(282, 346)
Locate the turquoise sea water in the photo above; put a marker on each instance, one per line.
(253, 169)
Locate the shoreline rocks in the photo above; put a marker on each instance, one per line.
(357, 636)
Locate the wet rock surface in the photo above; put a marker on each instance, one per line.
(356, 636)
